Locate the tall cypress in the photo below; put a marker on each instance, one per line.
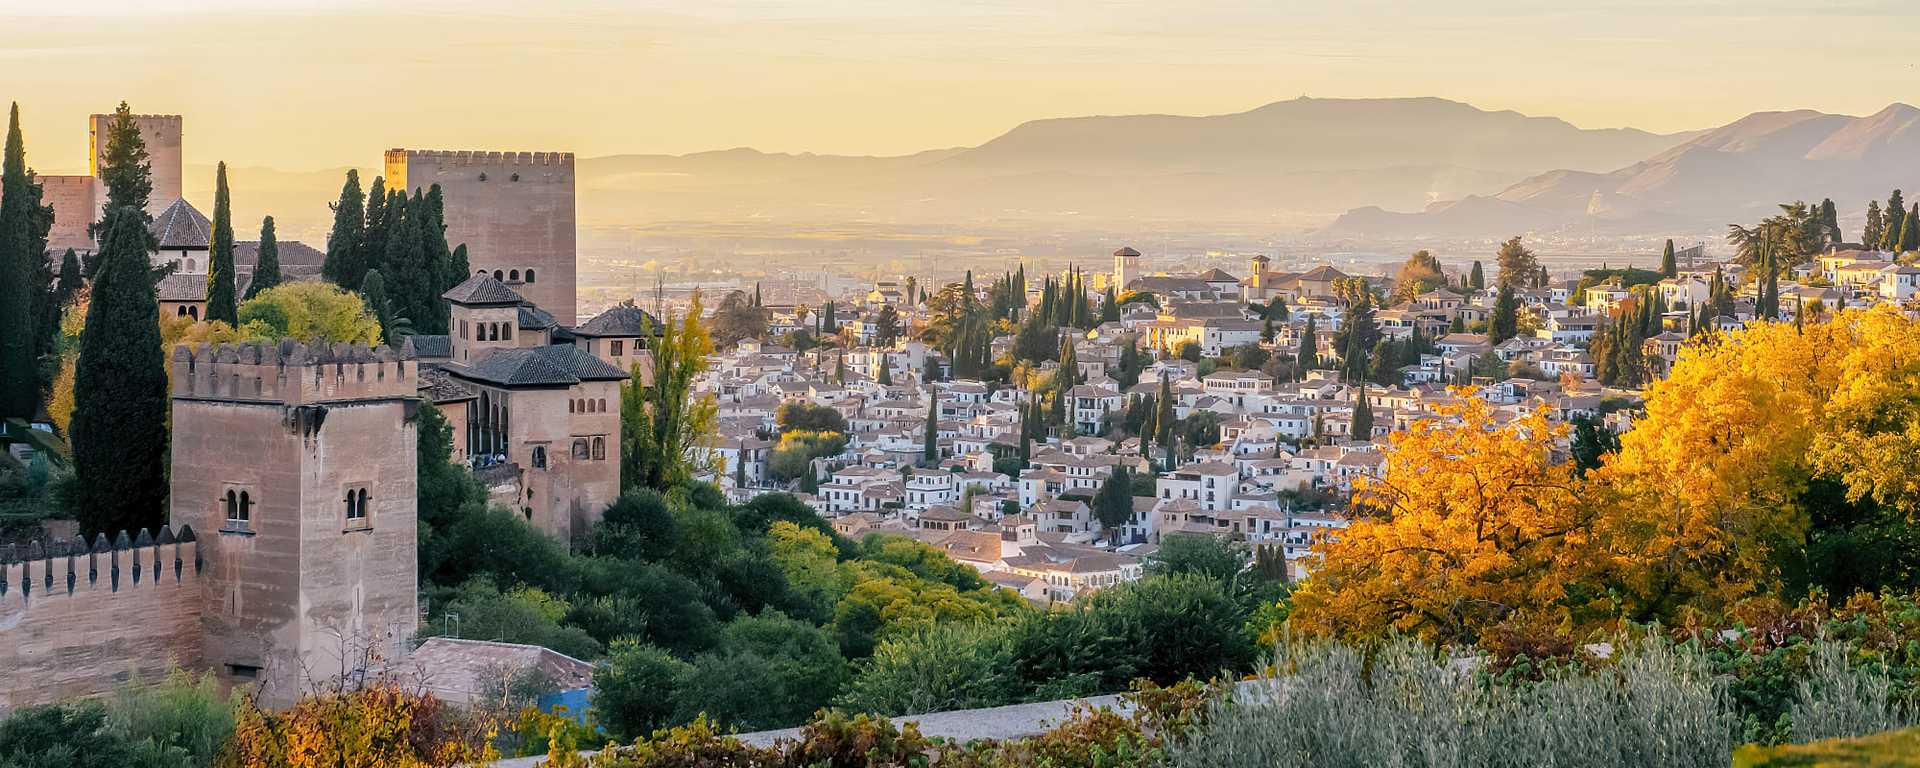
(1668, 266)
(1362, 427)
(344, 266)
(1506, 316)
(1896, 206)
(373, 235)
(458, 265)
(220, 278)
(1873, 232)
(432, 230)
(266, 268)
(930, 451)
(1308, 357)
(119, 427)
(1910, 231)
(70, 280)
(373, 291)
(1477, 279)
(19, 389)
(126, 172)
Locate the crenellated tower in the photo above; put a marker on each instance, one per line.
(295, 465)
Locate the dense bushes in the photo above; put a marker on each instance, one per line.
(175, 722)
(1164, 629)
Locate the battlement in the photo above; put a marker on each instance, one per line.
(72, 567)
(169, 118)
(446, 157)
(292, 373)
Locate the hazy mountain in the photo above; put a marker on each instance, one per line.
(1290, 164)
(1735, 173)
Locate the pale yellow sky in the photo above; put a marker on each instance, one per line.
(304, 84)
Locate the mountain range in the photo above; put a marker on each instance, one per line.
(1288, 165)
(1344, 168)
(1735, 173)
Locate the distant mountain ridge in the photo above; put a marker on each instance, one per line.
(1734, 173)
(1286, 165)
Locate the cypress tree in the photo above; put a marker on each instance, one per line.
(930, 445)
(1362, 416)
(1477, 279)
(70, 280)
(458, 265)
(373, 290)
(373, 233)
(1910, 231)
(344, 266)
(407, 264)
(266, 269)
(440, 268)
(19, 389)
(127, 175)
(119, 427)
(1829, 223)
(1308, 357)
(1109, 307)
(1890, 238)
(840, 368)
(220, 278)
(1873, 233)
(886, 370)
(1668, 267)
(1163, 421)
(1505, 322)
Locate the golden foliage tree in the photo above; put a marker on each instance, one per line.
(1472, 523)
(380, 727)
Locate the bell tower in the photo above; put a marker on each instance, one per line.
(1126, 267)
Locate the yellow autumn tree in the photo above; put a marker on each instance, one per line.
(382, 726)
(1473, 523)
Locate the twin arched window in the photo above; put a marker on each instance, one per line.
(529, 275)
(239, 509)
(357, 509)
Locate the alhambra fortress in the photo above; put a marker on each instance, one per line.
(290, 555)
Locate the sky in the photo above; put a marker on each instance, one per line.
(310, 84)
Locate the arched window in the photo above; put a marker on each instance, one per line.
(603, 405)
(590, 406)
(529, 275)
(570, 405)
(506, 331)
(580, 449)
(363, 503)
(479, 272)
(493, 331)
(189, 269)
(513, 275)
(246, 506)
(353, 510)
(181, 311)
(233, 507)
(599, 449)
(498, 275)
(193, 312)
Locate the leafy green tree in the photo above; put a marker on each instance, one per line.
(639, 526)
(19, 328)
(221, 285)
(345, 264)
(1421, 273)
(768, 671)
(76, 734)
(119, 425)
(1668, 266)
(939, 668)
(1518, 265)
(1590, 444)
(661, 425)
(804, 416)
(793, 456)
(312, 311)
(1113, 505)
(527, 615)
(635, 687)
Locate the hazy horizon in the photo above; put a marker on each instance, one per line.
(305, 85)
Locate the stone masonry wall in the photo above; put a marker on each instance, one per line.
(163, 136)
(77, 619)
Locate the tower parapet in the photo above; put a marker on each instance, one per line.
(292, 373)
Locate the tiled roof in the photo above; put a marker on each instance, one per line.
(246, 254)
(621, 320)
(440, 387)
(182, 288)
(181, 226)
(533, 318)
(482, 289)
(559, 364)
(432, 347)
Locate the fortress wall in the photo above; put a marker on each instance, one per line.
(78, 619)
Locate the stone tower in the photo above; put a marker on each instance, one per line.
(162, 134)
(295, 466)
(1257, 271)
(513, 210)
(1126, 267)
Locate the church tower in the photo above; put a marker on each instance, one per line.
(1126, 267)
(295, 466)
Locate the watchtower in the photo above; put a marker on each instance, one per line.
(513, 210)
(1126, 266)
(296, 467)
